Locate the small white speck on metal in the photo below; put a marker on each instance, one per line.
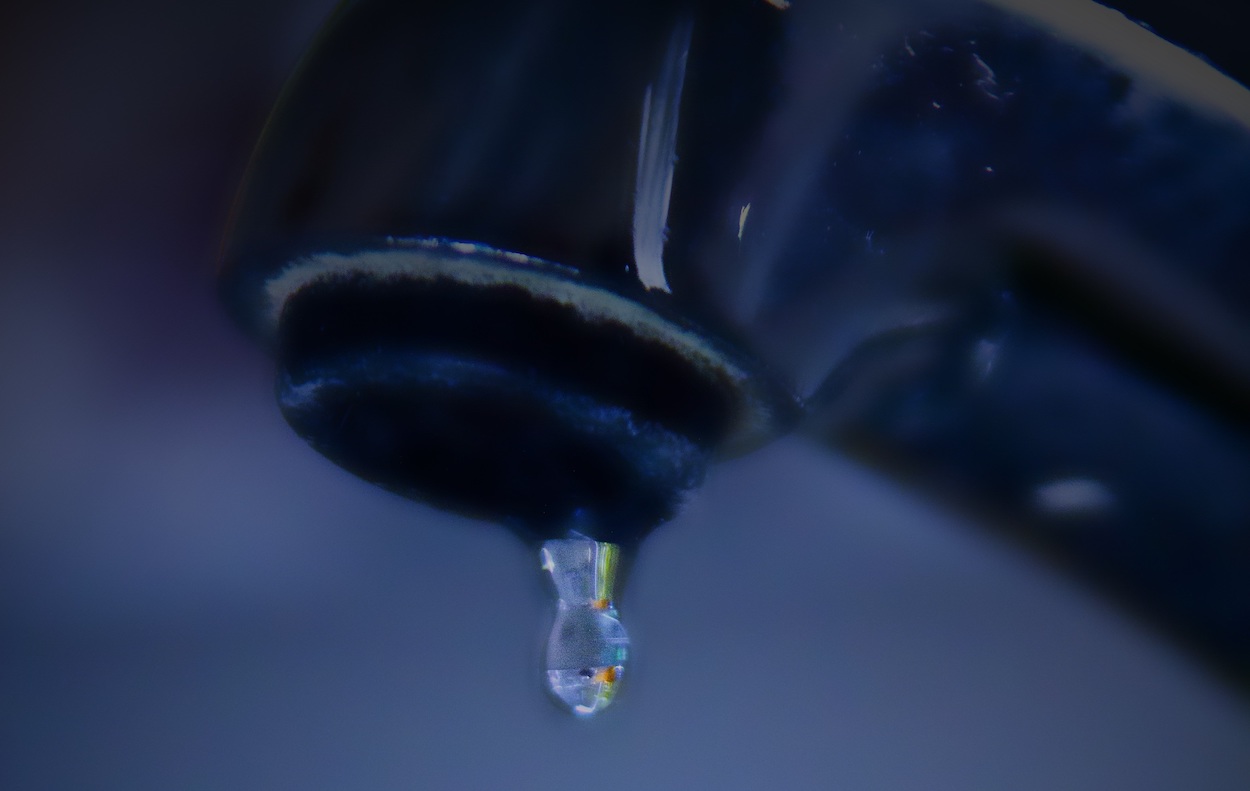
(1073, 497)
(985, 358)
(588, 647)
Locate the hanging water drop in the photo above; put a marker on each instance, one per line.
(588, 647)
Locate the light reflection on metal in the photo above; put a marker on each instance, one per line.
(657, 156)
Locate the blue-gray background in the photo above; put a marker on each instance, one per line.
(190, 598)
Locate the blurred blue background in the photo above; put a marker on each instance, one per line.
(191, 598)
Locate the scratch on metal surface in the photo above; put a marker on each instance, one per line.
(657, 156)
(987, 81)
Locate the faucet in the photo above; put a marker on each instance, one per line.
(542, 263)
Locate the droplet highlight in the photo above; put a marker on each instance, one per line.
(588, 647)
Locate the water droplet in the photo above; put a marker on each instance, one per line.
(588, 647)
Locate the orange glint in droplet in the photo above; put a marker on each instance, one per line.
(601, 604)
(608, 675)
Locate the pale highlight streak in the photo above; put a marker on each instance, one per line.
(657, 156)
